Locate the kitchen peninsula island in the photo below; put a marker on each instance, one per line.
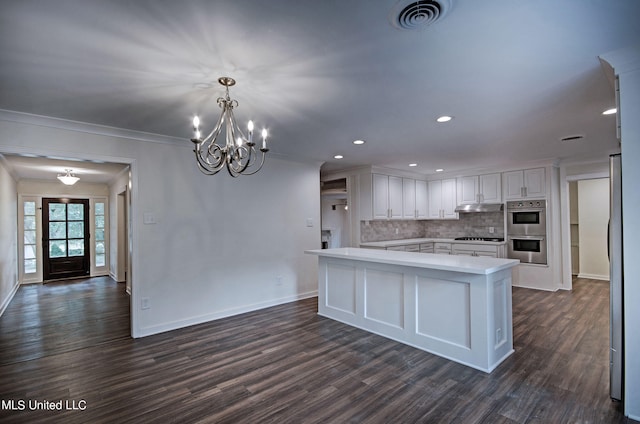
(457, 307)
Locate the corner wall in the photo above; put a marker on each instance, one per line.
(8, 237)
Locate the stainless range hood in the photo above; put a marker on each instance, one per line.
(480, 207)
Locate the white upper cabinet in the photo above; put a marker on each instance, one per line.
(480, 189)
(442, 199)
(468, 190)
(527, 183)
(380, 196)
(409, 198)
(387, 197)
(491, 188)
(421, 199)
(395, 197)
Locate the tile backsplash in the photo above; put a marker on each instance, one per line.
(386, 230)
(469, 224)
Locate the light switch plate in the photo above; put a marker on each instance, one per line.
(148, 218)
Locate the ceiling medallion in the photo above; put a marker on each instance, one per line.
(238, 153)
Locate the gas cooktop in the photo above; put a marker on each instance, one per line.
(480, 238)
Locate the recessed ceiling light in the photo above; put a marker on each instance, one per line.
(413, 164)
(338, 157)
(444, 118)
(610, 111)
(439, 170)
(358, 142)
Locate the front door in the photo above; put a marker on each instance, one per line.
(65, 238)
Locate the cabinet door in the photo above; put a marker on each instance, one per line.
(408, 198)
(435, 199)
(534, 180)
(449, 199)
(513, 184)
(380, 196)
(395, 197)
(491, 188)
(487, 254)
(421, 199)
(467, 190)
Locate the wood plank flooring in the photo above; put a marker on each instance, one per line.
(286, 364)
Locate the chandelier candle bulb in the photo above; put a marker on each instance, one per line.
(250, 128)
(264, 139)
(196, 130)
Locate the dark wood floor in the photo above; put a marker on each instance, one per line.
(285, 364)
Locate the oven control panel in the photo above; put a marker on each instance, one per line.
(526, 204)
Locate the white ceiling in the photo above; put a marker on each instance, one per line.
(516, 75)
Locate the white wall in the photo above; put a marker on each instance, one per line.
(8, 237)
(593, 218)
(220, 246)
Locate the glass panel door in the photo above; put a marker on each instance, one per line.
(66, 238)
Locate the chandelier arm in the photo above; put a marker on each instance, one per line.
(261, 163)
(213, 135)
(205, 169)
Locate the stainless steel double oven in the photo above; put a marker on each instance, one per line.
(527, 231)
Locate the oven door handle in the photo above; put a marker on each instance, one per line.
(527, 237)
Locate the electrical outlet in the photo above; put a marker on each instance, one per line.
(144, 303)
(397, 230)
(492, 230)
(499, 335)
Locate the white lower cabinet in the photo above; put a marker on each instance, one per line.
(475, 250)
(426, 247)
(442, 248)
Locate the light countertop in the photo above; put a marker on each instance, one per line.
(468, 264)
(392, 243)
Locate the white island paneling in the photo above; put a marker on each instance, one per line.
(455, 307)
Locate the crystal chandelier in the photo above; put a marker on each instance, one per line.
(238, 154)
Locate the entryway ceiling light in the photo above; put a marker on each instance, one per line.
(358, 142)
(610, 111)
(68, 178)
(444, 118)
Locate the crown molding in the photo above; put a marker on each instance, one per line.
(88, 128)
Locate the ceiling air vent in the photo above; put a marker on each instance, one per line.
(572, 138)
(420, 14)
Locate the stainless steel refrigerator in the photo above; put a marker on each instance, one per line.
(616, 280)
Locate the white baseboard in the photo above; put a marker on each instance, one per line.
(594, 276)
(9, 298)
(168, 326)
(523, 286)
